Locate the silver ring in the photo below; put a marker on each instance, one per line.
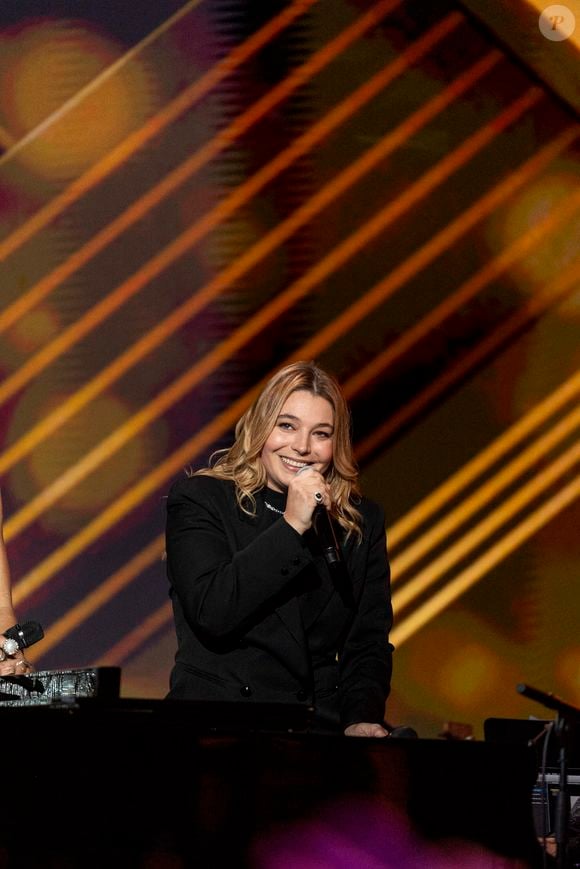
(10, 646)
(318, 497)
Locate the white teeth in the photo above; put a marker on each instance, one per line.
(292, 464)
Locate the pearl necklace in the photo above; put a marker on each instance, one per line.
(272, 508)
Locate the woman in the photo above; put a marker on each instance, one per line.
(259, 615)
(17, 664)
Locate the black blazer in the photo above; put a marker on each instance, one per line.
(258, 616)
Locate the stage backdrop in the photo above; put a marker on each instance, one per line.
(192, 195)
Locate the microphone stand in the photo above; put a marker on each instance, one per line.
(566, 715)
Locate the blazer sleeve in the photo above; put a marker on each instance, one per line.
(366, 658)
(223, 589)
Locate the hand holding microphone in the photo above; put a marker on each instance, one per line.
(309, 493)
(13, 641)
(306, 492)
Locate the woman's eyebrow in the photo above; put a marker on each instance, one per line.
(297, 419)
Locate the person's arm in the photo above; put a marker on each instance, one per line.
(366, 659)
(223, 592)
(14, 664)
(7, 617)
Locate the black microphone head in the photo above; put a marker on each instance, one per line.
(26, 634)
(521, 688)
(404, 732)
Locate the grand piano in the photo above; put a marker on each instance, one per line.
(90, 779)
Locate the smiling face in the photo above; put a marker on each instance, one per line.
(302, 435)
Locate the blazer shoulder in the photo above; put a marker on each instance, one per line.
(201, 488)
(371, 511)
(373, 517)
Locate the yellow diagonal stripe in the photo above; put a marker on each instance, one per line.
(137, 637)
(485, 563)
(498, 517)
(567, 392)
(101, 595)
(470, 505)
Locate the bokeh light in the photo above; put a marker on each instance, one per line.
(530, 206)
(456, 669)
(35, 329)
(468, 675)
(46, 63)
(68, 446)
(567, 669)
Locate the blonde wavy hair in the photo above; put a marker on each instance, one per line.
(242, 462)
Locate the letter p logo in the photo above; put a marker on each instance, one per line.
(557, 23)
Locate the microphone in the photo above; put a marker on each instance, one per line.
(322, 524)
(547, 699)
(20, 637)
(403, 731)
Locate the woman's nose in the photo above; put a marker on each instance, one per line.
(301, 443)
